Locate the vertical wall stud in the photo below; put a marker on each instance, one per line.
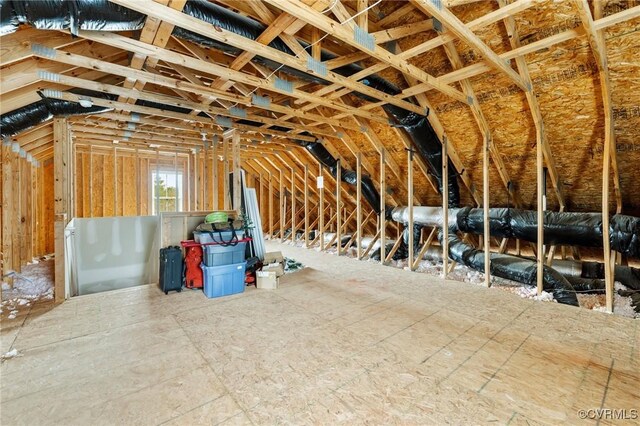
(306, 206)
(293, 205)
(338, 209)
(359, 205)
(382, 220)
(321, 206)
(485, 202)
(445, 207)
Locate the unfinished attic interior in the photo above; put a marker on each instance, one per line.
(320, 211)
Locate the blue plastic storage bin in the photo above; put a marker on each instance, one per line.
(223, 280)
(218, 255)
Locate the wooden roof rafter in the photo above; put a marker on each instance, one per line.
(458, 28)
(480, 67)
(534, 107)
(483, 125)
(344, 31)
(173, 101)
(211, 68)
(156, 33)
(200, 27)
(599, 50)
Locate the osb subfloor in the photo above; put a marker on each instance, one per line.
(341, 342)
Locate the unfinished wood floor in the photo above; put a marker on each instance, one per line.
(344, 342)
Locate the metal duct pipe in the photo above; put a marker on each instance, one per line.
(425, 216)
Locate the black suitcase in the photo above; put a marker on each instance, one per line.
(171, 269)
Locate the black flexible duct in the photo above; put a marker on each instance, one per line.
(512, 268)
(627, 276)
(368, 189)
(98, 15)
(31, 115)
(577, 229)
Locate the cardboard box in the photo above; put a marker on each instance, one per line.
(273, 257)
(267, 280)
(278, 268)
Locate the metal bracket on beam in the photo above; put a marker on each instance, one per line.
(223, 121)
(262, 101)
(43, 51)
(317, 67)
(238, 112)
(437, 25)
(50, 93)
(284, 85)
(363, 38)
(49, 76)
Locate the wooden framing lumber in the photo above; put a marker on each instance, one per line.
(445, 209)
(62, 200)
(463, 32)
(383, 211)
(345, 33)
(598, 48)
(193, 24)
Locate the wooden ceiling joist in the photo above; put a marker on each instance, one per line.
(599, 50)
(483, 125)
(534, 107)
(153, 32)
(345, 33)
(86, 62)
(193, 24)
(457, 27)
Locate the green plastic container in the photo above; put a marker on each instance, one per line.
(216, 217)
